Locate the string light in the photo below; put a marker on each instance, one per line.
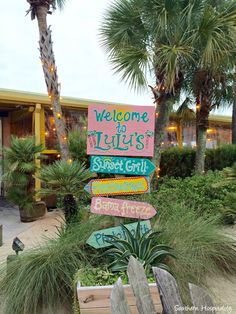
(58, 155)
(50, 108)
(198, 106)
(46, 133)
(54, 129)
(58, 115)
(69, 161)
(65, 138)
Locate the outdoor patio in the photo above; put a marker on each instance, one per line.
(32, 234)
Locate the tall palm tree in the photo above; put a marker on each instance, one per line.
(213, 39)
(149, 37)
(172, 38)
(39, 9)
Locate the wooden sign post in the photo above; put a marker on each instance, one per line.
(122, 208)
(115, 131)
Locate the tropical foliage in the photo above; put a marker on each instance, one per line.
(144, 247)
(65, 179)
(19, 169)
(184, 43)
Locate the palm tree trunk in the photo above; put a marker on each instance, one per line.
(202, 124)
(234, 123)
(51, 79)
(201, 150)
(162, 119)
(70, 208)
(180, 134)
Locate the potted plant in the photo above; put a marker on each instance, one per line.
(19, 169)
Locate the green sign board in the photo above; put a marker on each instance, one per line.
(121, 165)
(98, 238)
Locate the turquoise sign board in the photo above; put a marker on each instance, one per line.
(121, 165)
(98, 238)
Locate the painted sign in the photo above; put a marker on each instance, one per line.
(121, 165)
(120, 130)
(118, 186)
(122, 208)
(98, 238)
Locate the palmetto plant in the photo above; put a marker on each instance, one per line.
(66, 180)
(19, 168)
(144, 247)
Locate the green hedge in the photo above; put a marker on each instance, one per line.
(179, 162)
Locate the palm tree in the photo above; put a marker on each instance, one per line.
(143, 37)
(213, 39)
(66, 180)
(172, 38)
(40, 9)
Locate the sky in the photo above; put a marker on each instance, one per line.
(83, 67)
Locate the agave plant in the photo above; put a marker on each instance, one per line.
(66, 180)
(143, 247)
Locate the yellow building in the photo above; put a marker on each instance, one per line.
(25, 113)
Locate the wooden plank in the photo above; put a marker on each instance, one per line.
(168, 290)
(95, 300)
(121, 130)
(202, 302)
(139, 284)
(118, 301)
(118, 186)
(98, 238)
(121, 165)
(107, 310)
(121, 208)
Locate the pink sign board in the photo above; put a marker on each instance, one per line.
(122, 208)
(121, 130)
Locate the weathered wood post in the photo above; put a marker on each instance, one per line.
(168, 290)
(139, 284)
(0, 235)
(119, 304)
(202, 302)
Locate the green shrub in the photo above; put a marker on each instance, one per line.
(202, 193)
(179, 162)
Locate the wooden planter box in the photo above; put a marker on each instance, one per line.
(96, 300)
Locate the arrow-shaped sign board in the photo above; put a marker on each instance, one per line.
(118, 186)
(98, 238)
(121, 165)
(122, 208)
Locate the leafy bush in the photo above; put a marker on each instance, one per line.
(144, 247)
(202, 193)
(179, 162)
